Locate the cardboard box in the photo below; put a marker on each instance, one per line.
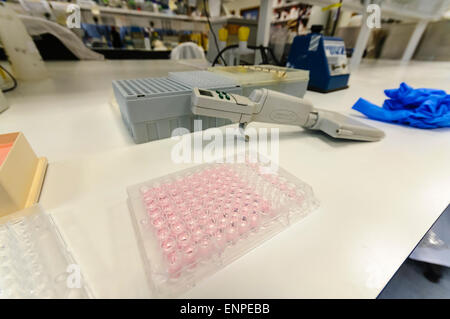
(21, 173)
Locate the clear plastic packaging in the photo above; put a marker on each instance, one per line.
(33, 259)
(192, 223)
(287, 80)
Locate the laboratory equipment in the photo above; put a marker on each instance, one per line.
(187, 50)
(249, 77)
(422, 108)
(324, 57)
(26, 62)
(3, 102)
(192, 223)
(435, 44)
(152, 108)
(232, 25)
(21, 173)
(275, 107)
(34, 262)
(233, 56)
(232, 53)
(223, 37)
(41, 9)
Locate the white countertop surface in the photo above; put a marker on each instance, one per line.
(377, 199)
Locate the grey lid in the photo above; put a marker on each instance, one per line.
(150, 87)
(203, 79)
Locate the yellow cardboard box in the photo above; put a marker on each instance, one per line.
(21, 173)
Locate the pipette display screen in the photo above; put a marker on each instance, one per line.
(206, 93)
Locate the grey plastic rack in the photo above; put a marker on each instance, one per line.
(152, 108)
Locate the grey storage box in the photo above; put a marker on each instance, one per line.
(152, 108)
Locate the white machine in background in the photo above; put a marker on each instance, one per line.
(3, 103)
(37, 8)
(26, 61)
(233, 57)
(269, 106)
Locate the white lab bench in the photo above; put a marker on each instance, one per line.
(377, 199)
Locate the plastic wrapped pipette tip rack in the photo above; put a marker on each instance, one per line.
(34, 262)
(192, 223)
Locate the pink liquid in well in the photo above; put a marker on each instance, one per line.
(199, 215)
(4, 150)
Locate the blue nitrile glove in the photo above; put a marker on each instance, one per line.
(422, 108)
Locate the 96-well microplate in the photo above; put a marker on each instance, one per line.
(191, 223)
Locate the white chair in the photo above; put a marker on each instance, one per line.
(187, 50)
